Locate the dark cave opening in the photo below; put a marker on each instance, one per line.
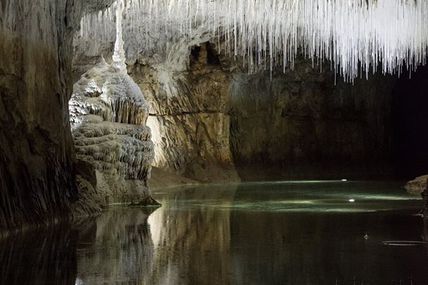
(204, 53)
(410, 115)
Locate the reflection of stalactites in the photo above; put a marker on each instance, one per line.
(125, 234)
(40, 257)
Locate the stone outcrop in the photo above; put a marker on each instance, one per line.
(417, 185)
(108, 120)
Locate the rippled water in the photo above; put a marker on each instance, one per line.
(260, 233)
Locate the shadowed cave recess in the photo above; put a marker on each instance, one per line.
(102, 101)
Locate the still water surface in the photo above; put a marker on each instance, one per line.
(261, 233)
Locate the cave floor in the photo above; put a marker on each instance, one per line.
(313, 232)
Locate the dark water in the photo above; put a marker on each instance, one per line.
(277, 233)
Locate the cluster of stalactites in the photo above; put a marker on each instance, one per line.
(356, 36)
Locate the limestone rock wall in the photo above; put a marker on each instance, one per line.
(36, 150)
(300, 125)
(189, 117)
(36, 166)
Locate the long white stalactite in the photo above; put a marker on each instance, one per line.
(356, 36)
(119, 57)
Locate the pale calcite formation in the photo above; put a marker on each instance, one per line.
(108, 117)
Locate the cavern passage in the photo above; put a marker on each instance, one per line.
(274, 133)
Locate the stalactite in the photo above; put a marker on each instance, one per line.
(357, 36)
(119, 57)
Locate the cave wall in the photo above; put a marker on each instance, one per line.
(301, 125)
(209, 117)
(36, 150)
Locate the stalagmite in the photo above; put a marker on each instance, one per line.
(108, 119)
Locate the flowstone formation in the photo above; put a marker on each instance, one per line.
(108, 121)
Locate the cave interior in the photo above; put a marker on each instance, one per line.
(213, 142)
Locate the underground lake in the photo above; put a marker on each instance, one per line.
(193, 142)
(295, 232)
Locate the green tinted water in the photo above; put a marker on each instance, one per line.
(259, 233)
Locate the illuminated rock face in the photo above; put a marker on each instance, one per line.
(189, 118)
(108, 116)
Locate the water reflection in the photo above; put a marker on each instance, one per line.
(192, 237)
(40, 257)
(246, 234)
(288, 234)
(115, 248)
